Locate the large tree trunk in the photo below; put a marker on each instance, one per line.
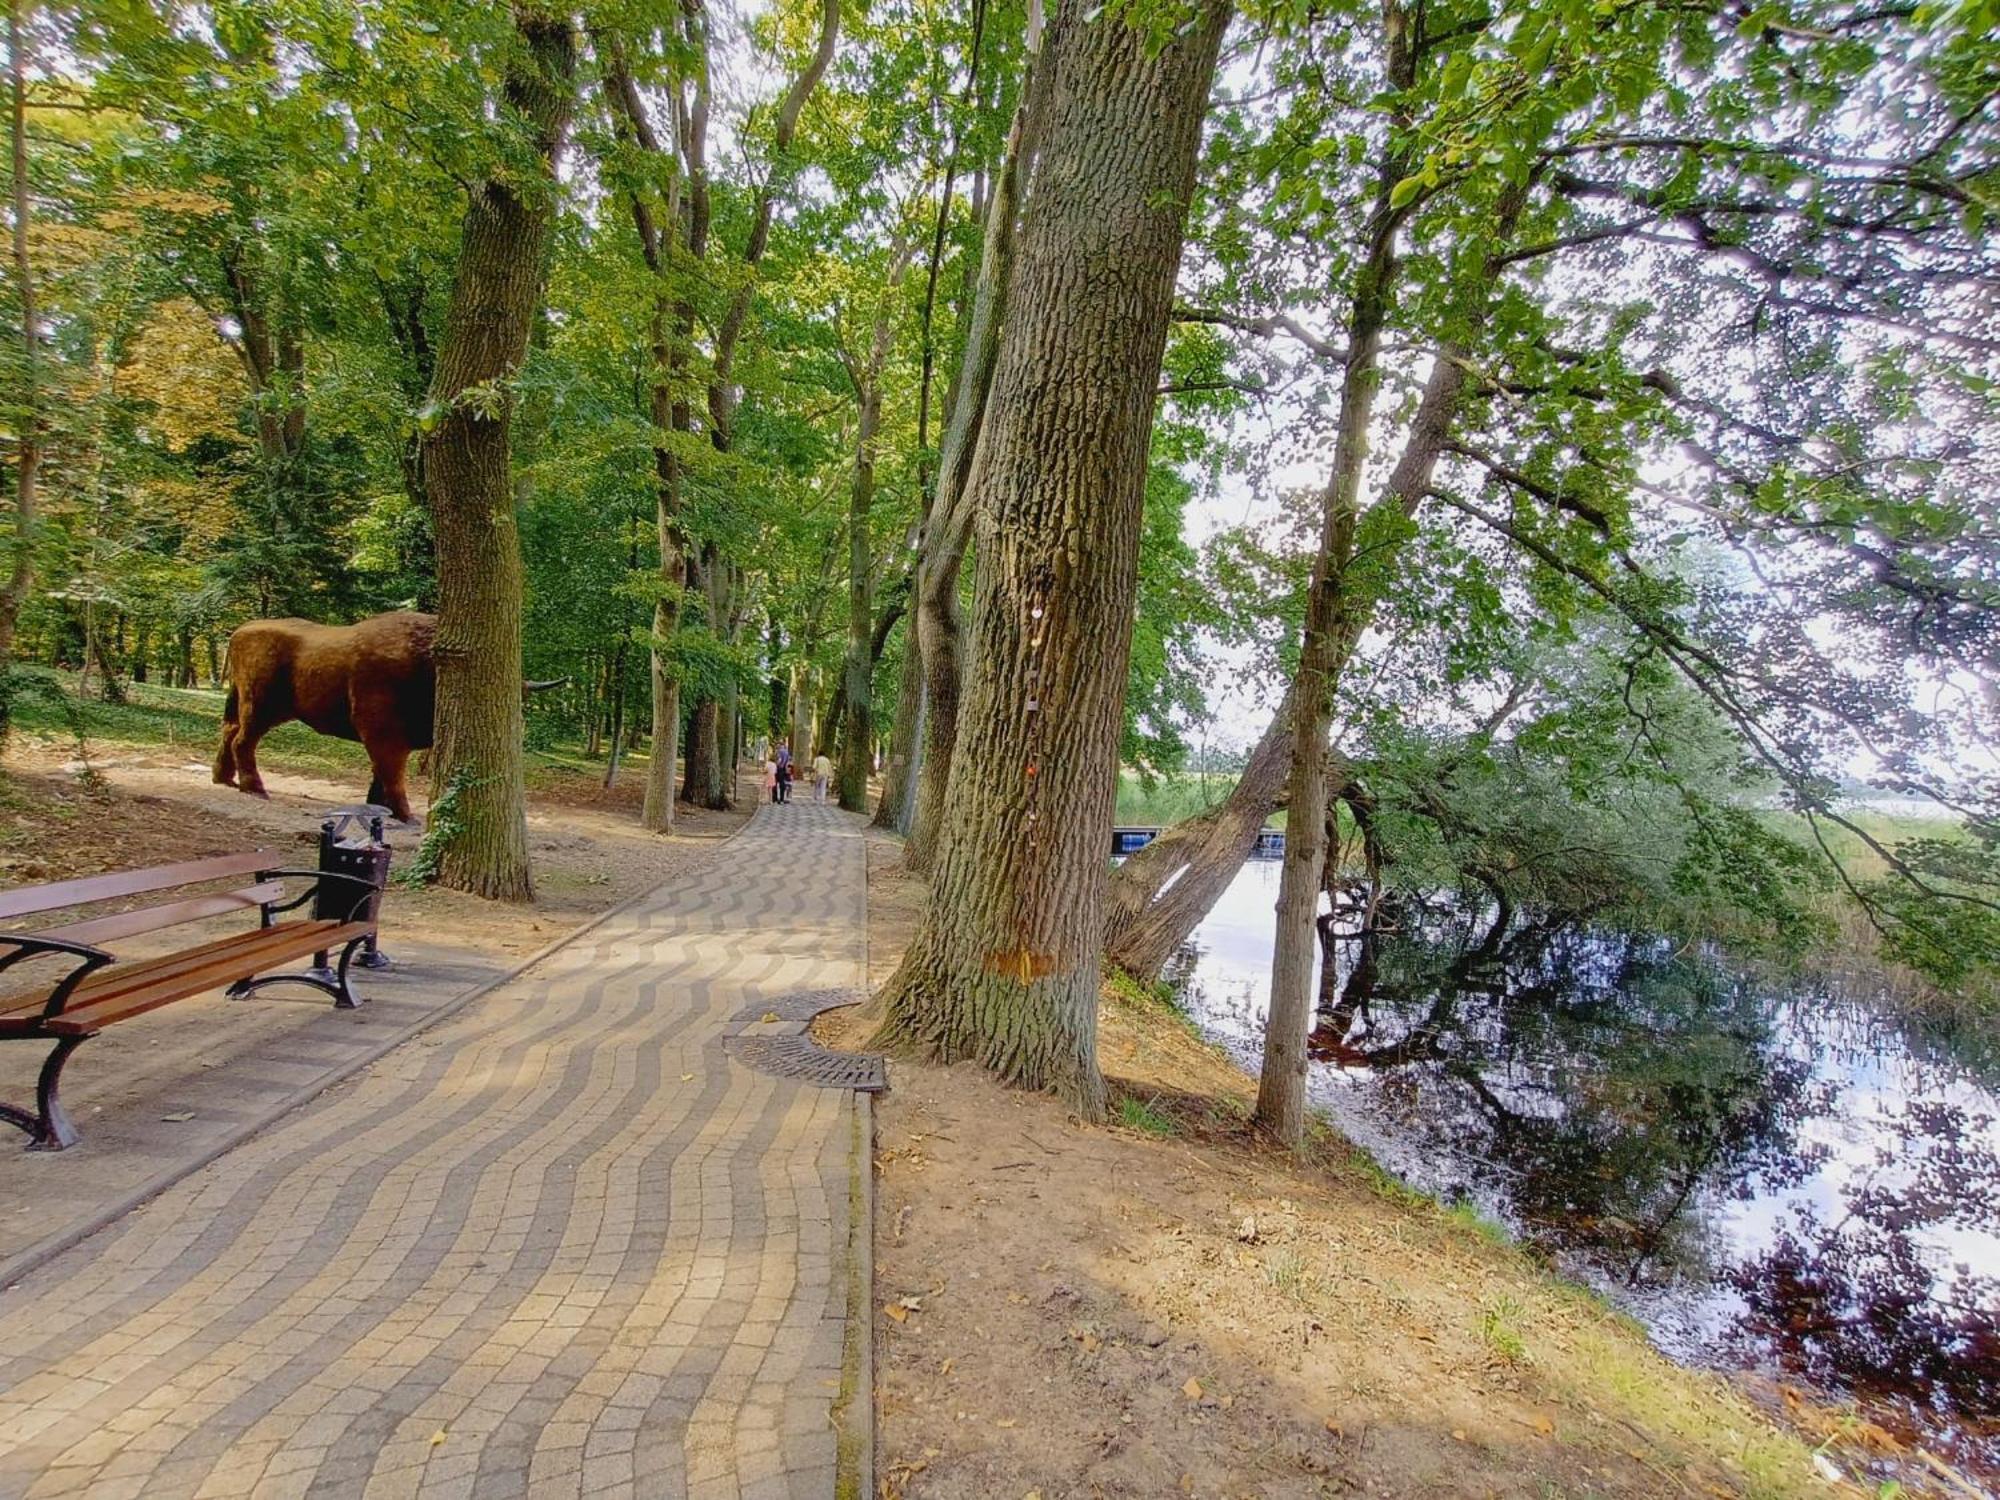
(897, 806)
(28, 445)
(858, 706)
(800, 738)
(703, 785)
(1149, 917)
(672, 330)
(1159, 896)
(476, 761)
(935, 623)
(1330, 629)
(1004, 969)
(893, 811)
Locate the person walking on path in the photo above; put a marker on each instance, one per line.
(771, 777)
(784, 773)
(822, 776)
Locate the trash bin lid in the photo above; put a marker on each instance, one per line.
(354, 827)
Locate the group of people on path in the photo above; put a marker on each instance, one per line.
(778, 774)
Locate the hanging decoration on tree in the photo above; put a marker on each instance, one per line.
(1034, 633)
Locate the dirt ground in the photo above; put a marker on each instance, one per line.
(1168, 1306)
(157, 805)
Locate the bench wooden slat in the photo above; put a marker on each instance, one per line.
(124, 924)
(300, 938)
(28, 900)
(240, 947)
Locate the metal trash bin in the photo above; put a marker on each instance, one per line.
(351, 843)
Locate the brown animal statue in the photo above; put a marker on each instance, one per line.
(373, 681)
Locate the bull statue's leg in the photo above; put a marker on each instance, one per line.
(247, 777)
(390, 788)
(225, 753)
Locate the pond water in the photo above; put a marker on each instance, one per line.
(1771, 1176)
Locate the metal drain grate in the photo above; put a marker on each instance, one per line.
(799, 1006)
(802, 1058)
(780, 1047)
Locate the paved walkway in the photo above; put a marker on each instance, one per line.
(560, 1245)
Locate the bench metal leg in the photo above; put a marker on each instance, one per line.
(48, 1127)
(343, 997)
(372, 957)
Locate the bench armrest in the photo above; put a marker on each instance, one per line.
(27, 947)
(367, 890)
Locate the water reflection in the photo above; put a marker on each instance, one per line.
(1770, 1175)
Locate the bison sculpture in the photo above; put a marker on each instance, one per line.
(373, 681)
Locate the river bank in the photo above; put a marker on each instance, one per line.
(1785, 1178)
(1170, 1306)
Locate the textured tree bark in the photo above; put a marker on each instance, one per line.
(1330, 626)
(672, 331)
(1004, 969)
(28, 446)
(702, 785)
(800, 738)
(897, 782)
(477, 758)
(1158, 896)
(857, 739)
(1150, 913)
(1344, 591)
(899, 774)
(935, 620)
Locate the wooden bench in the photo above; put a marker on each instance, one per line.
(101, 989)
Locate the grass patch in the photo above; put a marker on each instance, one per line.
(1333, 1150)
(1467, 1218)
(189, 720)
(1500, 1327)
(1168, 799)
(1287, 1273)
(1158, 997)
(1139, 1115)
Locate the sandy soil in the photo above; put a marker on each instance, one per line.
(1171, 1307)
(158, 805)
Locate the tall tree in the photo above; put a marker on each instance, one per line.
(1004, 969)
(708, 782)
(864, 370)
(28, 405)
(899, 777)
(665, 221)
(935, 619)
(476, 765)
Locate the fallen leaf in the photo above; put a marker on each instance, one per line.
(911, 1304)
(1192, 1390)
(1458, 1434)
(1247, 1230)
(1539, 1423)
(945, 1368)
(687, 1078)
(1006, 1422)
(437, 1437)
(1090, 1343)
(767, 1018)
(1228, 1402)
(1334, 1427)
(178, 1116)
(898, 1313)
